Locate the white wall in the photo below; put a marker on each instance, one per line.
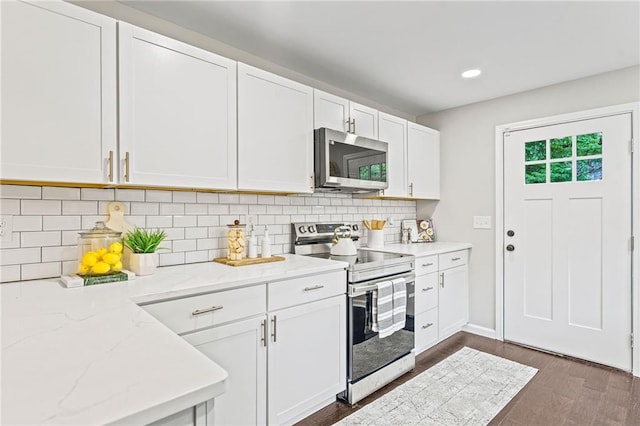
(468, 166)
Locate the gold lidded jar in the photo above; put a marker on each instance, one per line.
(236, 241)
(99, 251)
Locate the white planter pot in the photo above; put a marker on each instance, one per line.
(143, 263)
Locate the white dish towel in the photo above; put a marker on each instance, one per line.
(399, 303)
(382, 309)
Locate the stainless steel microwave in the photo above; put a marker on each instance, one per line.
(345, 162)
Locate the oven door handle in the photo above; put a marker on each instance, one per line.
(360, 289)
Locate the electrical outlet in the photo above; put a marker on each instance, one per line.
(6, 228)
(482, 222)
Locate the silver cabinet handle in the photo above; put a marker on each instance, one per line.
(204, 311)
(427, 264)
(273, 327)
(263, 334)
(427, 289)
(126, 166)
(411, 189)
(354, 125)
(348, 123)
(442, 280)
(454, 259)
(315, 287)
(110, 176)
(427, 325)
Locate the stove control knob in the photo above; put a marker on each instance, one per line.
(302, 229)
(354, 227)
(311, 229)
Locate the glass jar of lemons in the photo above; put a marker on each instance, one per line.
(99, 251)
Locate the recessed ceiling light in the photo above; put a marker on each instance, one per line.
(471, 73)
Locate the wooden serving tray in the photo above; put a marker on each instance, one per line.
(245, 262)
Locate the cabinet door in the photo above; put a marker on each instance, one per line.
(330, 111)
(365, 120)
(177, 113)
(453, 301)
(307, 358)
(275, 133)
(239, 349)
(58, 93)
(426, 292)
(423, 162)
(393, 130)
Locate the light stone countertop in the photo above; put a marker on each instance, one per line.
(423, 249)
(90, 355)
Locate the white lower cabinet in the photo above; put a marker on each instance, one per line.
(441, 297)
(192, 416)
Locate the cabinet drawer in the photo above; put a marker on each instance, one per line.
(426, 329)
(426, 265)
(193, 313)
(453, 259)
(426, 292)
(306, 289)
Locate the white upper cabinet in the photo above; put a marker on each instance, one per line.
(393, 130)
(177, 113)
(423, 162)
(330, 111)
(275, 133)
(339, 113)
(364, 120)
(58, 93)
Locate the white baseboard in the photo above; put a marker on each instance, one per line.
(479, 330)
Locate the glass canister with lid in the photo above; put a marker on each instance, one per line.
(99, 251)
(236, 241)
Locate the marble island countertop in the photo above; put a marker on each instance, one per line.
(91, 355)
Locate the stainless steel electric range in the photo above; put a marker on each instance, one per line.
(372, 362)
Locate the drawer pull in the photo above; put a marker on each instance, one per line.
(204, 311)
(273, 332)
(442, 279)
(427, 289)
(263, 328)
(429, 324)
(315, 287)
(454, 259)
(427, 264)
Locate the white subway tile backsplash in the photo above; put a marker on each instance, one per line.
(46, 231)
(158, 196)
(60, 193)
(60, 223)
(159, 221)
(171, 209)
(40, 207)
(35, 271)
(20, 255)
(184, 197)
(9, 273)
(57, 254)
(107, 194)
(27, 223)
(79, 207)
(129, 194)
(20, 192)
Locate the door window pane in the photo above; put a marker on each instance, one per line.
(561, 147)
(561, 171)
(590, 144)
(364, 172)
(535, 173)
(589, 169)
(376, 172)
(535, 150)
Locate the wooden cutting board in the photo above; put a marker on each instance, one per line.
(245, 262)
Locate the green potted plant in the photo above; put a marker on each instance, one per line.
(143, 243)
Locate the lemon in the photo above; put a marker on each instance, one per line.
(83, 269)
(100, 252)
(111, 258)
(117, 266)
(89, 259)
(116, 247)
(100, 268)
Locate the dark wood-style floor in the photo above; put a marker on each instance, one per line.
(564, 392)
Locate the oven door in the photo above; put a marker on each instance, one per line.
(367, 351)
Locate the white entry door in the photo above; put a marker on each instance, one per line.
(567, 239)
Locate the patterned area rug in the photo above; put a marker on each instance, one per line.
(467, 388)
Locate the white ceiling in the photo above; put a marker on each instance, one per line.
(409, 55)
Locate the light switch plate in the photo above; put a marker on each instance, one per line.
(482, 222)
